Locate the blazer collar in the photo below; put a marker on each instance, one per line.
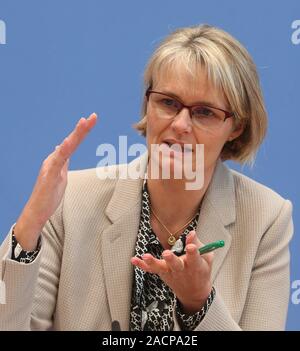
(220, 193)
(118, 239)
(127, 192)
(218, 211)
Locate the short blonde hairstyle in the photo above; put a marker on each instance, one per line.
(229, 67)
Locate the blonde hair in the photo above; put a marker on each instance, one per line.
(229, 68)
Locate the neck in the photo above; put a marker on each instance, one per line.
(172, 202)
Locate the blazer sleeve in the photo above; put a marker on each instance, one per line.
(31, 288)
(267, 299)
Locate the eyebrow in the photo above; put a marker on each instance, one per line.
(202, 102)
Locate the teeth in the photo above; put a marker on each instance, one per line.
(181, 146)
(171, 144)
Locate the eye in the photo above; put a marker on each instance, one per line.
(168, 102)
(201, 111)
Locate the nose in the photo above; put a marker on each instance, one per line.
(182, 123)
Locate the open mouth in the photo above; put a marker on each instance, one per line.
(178, 147)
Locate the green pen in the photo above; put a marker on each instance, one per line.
(209, 247)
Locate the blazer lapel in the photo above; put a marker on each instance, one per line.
(118, 243)
(217, 213)
(118, 240)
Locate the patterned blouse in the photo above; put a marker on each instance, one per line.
(152, 301)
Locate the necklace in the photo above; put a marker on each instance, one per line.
(172, 239)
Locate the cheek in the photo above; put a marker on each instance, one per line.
(213, 143)
(150, 131)
(154, 129)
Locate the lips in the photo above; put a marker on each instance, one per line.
(185, 147)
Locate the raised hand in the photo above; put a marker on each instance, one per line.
(50, 186)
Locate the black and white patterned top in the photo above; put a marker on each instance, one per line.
(153, 302)
(20, 255)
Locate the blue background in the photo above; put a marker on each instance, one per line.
(66, 59)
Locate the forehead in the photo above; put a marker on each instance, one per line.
(190, 86)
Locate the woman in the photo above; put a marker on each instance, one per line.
(127, 249)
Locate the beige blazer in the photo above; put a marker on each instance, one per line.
(82, 277)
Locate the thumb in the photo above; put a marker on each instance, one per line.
(65, 167)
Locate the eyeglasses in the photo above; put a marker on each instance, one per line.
(202, 116)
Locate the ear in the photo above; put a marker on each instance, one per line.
(238, 130)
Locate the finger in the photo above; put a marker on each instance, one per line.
(54, 163)
(65, 167)
(62, 151)
(68, 146)
(77, 135)
(174, 263)
(146, 265)
(155, 265)
(192, 238)
(92, 120)
(58, 158)
(80, 131)
(208, 257)
(193, 258)
(136, 261)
